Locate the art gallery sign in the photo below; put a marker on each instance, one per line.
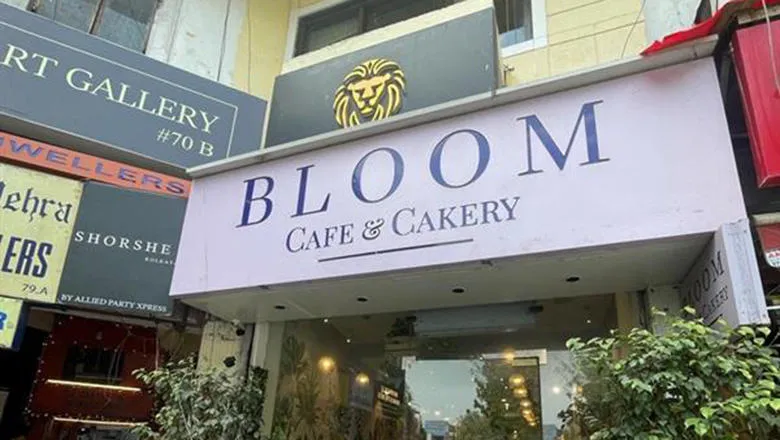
(62, 79)
(600, 165)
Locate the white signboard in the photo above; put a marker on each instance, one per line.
(638, 158)
(724, 282)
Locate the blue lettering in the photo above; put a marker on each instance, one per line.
(588, 115)
(250, 198)
(3, 318)
(395, 221)
(16, 148)
(289, 237)
(484, 158)
(398, 174)
(299, 210)
(56, 157)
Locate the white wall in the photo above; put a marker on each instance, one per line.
(663, 17)
(17, 3)
(200, 36)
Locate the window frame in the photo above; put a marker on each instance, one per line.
(538, 24)
(32, 6)
(359, 8)
(538, 32)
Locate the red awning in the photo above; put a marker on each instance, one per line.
(713, 25)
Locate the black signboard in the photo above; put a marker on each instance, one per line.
(68, 81)
(122, 251)
(441, 63)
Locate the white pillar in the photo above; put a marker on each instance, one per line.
(267, 354)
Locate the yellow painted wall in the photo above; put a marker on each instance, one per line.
(262, 44)
(581, 34)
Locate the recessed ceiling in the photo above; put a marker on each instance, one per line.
(626, 267)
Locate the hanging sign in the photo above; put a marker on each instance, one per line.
(37, 214)
(760, 95)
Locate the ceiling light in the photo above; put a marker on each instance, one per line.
(325, 320)
(279, 307)
(458, 290)
(517, 380)
(362, 379)
(326, 364)
(556, 390)
(572, 279)
(362, 299)
(520, 392)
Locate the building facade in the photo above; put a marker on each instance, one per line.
(407, 207)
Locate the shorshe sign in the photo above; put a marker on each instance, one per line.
(122, 250)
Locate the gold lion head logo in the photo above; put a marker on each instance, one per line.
(370, 92)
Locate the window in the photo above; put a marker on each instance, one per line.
(93, 365)
(355, 17)
(125, 22)
(514, 21)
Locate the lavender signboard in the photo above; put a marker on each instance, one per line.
(604, 164)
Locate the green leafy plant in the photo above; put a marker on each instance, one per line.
(691, 382)
(203, 405)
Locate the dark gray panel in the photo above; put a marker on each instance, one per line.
(76, 83)
(122, 251)
(445, 62)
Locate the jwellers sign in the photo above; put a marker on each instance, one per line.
(72, 82)
(594, 166)
(19, 149)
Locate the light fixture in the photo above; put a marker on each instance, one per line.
(525, 403)
(98, 422)
(458, 290)
(520, 392)
(528, 412)
(349, 341)
(517, 380)
(279, 307)
(509, 355)
(572, 279)
(437, 413)
(93, 385)
(326, 364)
(362, 299)
(556, 390)
(362, 379)
(588, 321)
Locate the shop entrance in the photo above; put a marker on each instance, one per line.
(17, 373)
(484, 373)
